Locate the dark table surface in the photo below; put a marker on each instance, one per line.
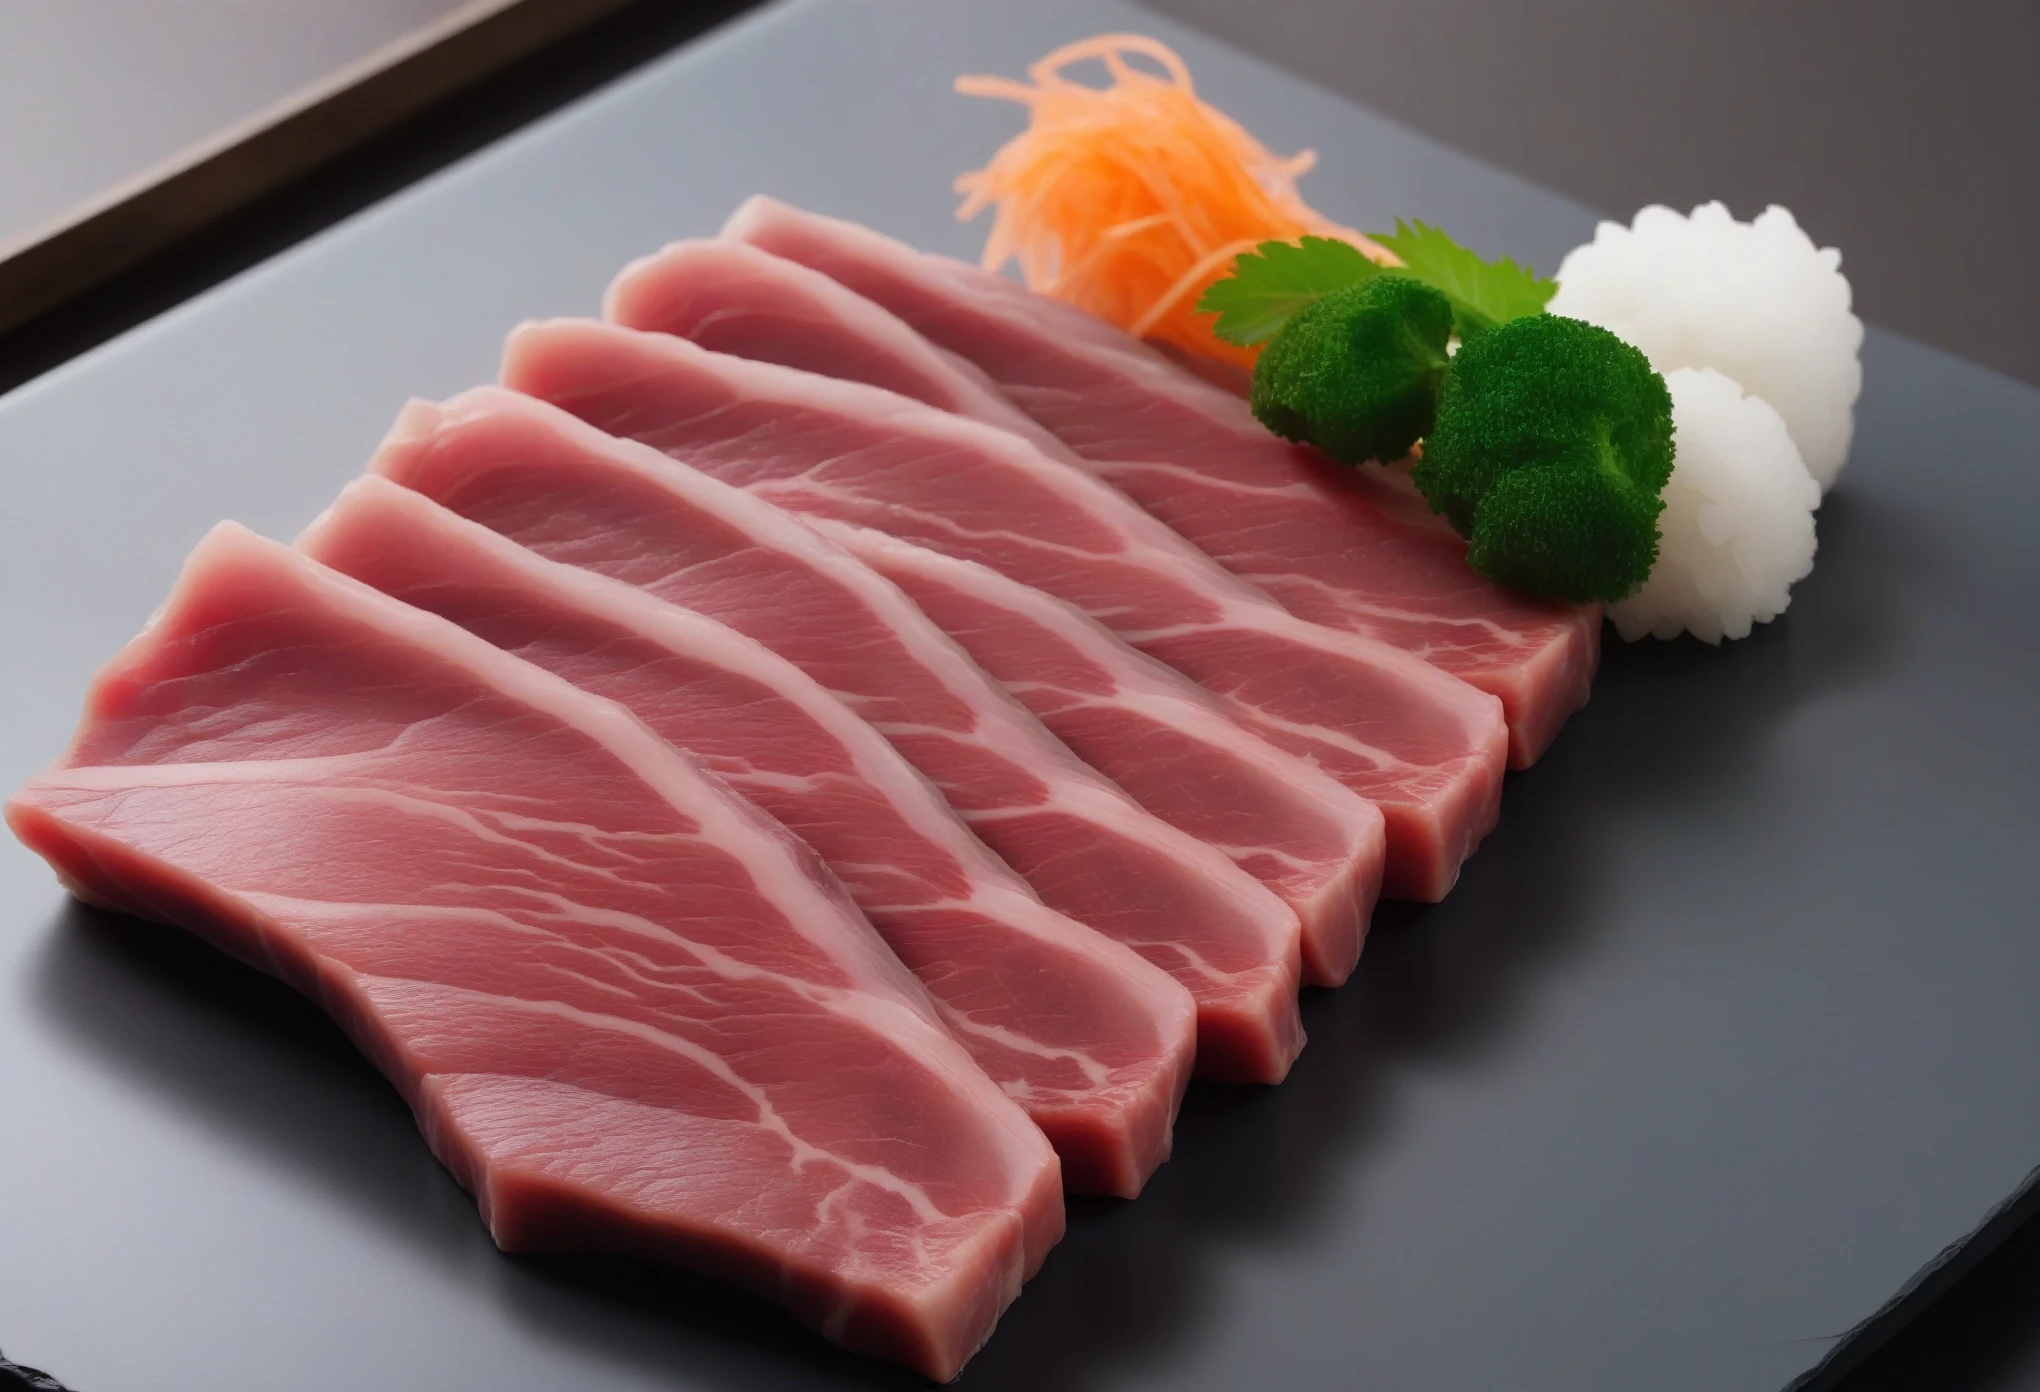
(1428, 1001)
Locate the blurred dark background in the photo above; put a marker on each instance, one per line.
(1907, 134)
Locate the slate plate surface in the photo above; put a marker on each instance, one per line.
(1726, 1032)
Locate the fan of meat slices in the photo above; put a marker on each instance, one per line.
(798, 775)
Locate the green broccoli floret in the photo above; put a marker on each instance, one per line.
(1356, 373)
(1552, 443)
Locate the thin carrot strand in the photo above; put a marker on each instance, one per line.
(1128, 200)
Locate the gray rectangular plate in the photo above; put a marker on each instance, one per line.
(1726, 1032)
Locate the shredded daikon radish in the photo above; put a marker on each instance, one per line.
(1128, 200)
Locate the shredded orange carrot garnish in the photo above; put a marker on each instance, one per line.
(1128, 200)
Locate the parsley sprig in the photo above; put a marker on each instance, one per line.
(1276, 281)
(1484, 294)
(1270, 285)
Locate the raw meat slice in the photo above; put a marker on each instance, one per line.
(1426, 748)
(735, 298)
(1085, 1034)
(572, 493)
(1356, 549)
(1156, 733)
(630, 1011)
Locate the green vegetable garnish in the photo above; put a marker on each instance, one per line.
(1356, 371)
(1552, 443)
(1276, 280)
(1546, 440)
(1484, 294)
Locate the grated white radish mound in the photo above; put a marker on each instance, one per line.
(1755, 300)
(1738, 520)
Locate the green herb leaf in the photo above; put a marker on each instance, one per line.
(1484, 294)
(1271, 283)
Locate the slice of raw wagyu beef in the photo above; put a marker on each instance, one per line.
(739, 299)
(631, 1012)
(1061, 1017)
(574, 494)
(1426, 748)
(1355, 549)
(1155, 732)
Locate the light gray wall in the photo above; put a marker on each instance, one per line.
(92, 92)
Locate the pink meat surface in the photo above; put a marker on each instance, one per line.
(630, 1011)
(739, 299)
(1084, 1033)
(1158, 734)
(1426, 748)
(570, 492)
(1209, 774)
(1355, 549)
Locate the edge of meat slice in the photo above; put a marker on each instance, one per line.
(1312, 533)
(1426, 748)
(1060, 1016)
(664, 1030)
(1150, 728)
(733, 297)
(575, 494)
